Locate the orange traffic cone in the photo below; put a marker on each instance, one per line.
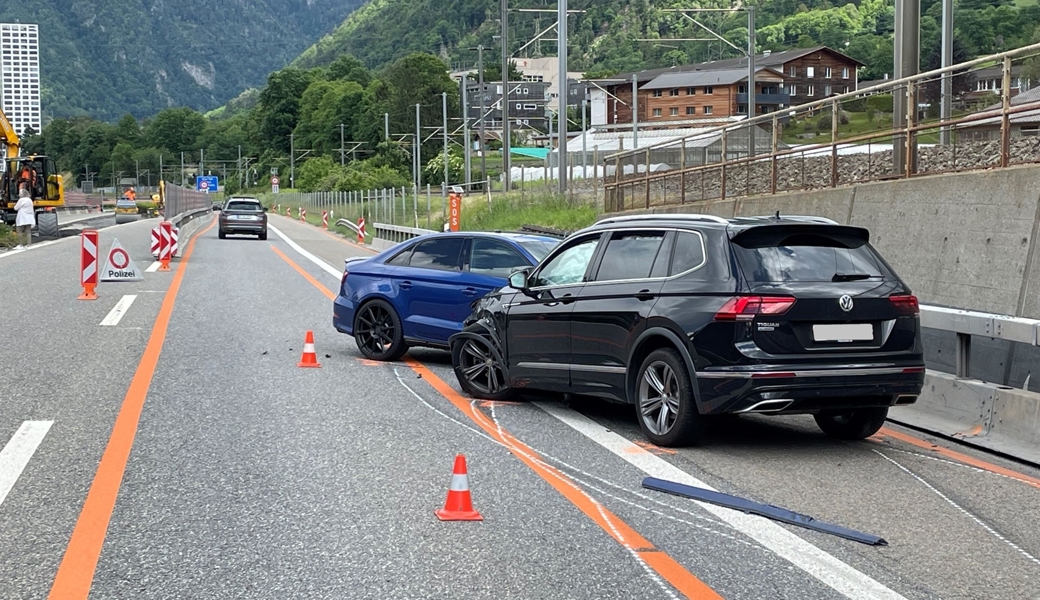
(310, 358)
(459, 506)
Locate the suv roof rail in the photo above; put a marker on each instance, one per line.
(813, 219)
(676, 216)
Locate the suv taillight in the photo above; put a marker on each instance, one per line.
(744, 308)
(906, 304)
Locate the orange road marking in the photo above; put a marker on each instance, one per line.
(76, 571)
(665, 566)
(654, 449)
(963, 458)
(370, 363)
(662, 563)
(328, 293)
(491, 403)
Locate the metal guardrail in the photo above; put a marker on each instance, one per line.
(349, 225)
(966, 323)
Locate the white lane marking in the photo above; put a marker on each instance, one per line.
(32, 247)
(18, 451)
(814, 561)
(117, 312)
(314, 259)
(977, 520)
(152, 268)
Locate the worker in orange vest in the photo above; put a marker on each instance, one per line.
(131, 194)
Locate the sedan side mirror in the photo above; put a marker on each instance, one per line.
(518, 279)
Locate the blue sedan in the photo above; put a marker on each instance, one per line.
(419, 292)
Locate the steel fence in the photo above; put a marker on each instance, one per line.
(895, 129)
(177, 200)
(397, 206)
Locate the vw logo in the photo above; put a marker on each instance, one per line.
(845, 302)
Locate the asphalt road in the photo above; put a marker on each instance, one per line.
(231, 473)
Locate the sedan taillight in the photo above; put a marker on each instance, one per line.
(906, 304)
(745, 308)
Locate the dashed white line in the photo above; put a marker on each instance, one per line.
(152, 268)
(117, 312)
(18, 451)
(814, 561)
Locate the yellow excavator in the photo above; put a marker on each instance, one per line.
(37, 173)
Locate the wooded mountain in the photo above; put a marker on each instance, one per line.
(106, 58)
(603, 39)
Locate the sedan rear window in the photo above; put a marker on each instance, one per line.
(245, 206)
(807, 257)
(442, 254)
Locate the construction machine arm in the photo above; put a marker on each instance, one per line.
(9, 137)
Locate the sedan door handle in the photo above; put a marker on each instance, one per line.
(406, 285)
(644, 295)
(470, 292)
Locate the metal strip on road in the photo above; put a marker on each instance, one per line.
(116, 314)
(16, 454)
(814, 561)
(337, 273)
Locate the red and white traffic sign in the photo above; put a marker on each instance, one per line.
(361, 230)
(88, 263)
(165, 244)
(119, 266)
(324, 219)
(274, 184)
(155, 243)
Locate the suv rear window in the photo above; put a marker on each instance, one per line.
(245, 206)
(806, 257)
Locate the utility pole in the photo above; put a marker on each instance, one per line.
(946, 106)
(342, 147)
(483, 94)
(182, 168)
(137, 173)
(292, 161)
(160, 168)
(417, 153)
(444, 110)
(635, 111)
(907, 64)
(386, 126)
(202, 161)
(507, 141)
(584, 138)
(751, 108)
(238, 166)
(564, 89)
(465, 128)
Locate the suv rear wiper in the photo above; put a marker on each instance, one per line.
(851, 276)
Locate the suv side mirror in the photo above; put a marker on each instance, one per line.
(518, 279)
(266, 209)
(216, 208)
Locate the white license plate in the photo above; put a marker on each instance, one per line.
(855, 332)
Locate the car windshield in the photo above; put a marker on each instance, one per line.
(244, 206)
(539, 249)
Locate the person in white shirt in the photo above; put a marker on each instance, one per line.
(26, 218)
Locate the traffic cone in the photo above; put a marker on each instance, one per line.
(310, 358)
(459, 506)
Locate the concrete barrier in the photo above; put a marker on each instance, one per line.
(986, 415)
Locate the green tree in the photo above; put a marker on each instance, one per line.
(127, 130)
(175, 130)
(313, 172)
(349, 68)
(279, 106)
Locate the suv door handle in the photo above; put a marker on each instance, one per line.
(406, 285)
(469, 292)
(644, 295)
(567, 299)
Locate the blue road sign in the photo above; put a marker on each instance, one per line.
(206, 183)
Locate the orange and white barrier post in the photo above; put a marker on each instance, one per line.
(303, 214)
(324, 219)
(361, 230)
(287, 211)
(165, 245)
(89, 264)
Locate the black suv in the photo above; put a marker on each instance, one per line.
(687, 316)
(242, 215)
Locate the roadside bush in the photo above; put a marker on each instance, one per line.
(881, 103)
(8, 237)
